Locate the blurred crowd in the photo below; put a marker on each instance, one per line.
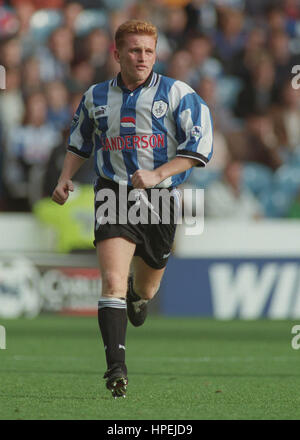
(241, 56)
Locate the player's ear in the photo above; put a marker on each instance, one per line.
(155, 55)
(117, 55)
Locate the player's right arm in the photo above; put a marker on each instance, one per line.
(72, 163)
(79, 149)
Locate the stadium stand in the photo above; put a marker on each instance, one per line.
(238, 54)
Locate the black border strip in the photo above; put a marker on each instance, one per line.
(78, 152)
(192, 154)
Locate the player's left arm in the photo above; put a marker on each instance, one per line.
(148, 179)
(194, 135)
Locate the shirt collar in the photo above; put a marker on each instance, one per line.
(150, 81)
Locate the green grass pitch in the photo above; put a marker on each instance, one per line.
(179, 369)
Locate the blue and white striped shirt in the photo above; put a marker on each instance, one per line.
(141, 129)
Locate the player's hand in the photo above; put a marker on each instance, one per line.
(61, 192)
(144, 179)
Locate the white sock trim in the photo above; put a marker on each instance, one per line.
(114, 303)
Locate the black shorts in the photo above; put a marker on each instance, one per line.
(153, 239)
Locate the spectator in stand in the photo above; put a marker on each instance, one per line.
(201, 16)
(174, 28)
(254, 47)
(10, 53)
(286, 118)
(141, 10)
(180, 66)
(275, 18)
(24, 12)
(30, 146)
(9, 22)
(204, 64)
(223, 118)
(260, 92)
(291, 9)
(11, 103)
(256, 9)
(282, 57)
(116, 18)
(31, 78)
(71, 12)
(97, 45)
(82, 75)
(231, 36)
(55, 59)
(278, 20)
(228, 198)
(59, 113)
(257, 142)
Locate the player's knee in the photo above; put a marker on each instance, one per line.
(114, 284)
(147, 291)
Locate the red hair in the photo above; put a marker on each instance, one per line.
(134, 27)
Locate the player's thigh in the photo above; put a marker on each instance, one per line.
(146, 278)
(114, 257)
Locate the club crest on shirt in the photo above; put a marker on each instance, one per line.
(101, 111)
(159, 108)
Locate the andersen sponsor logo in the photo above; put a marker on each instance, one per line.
(132, 142)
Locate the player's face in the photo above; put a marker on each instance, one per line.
(136, 58)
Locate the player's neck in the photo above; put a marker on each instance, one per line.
(131, 84)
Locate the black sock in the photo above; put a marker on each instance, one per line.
(112, 319)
